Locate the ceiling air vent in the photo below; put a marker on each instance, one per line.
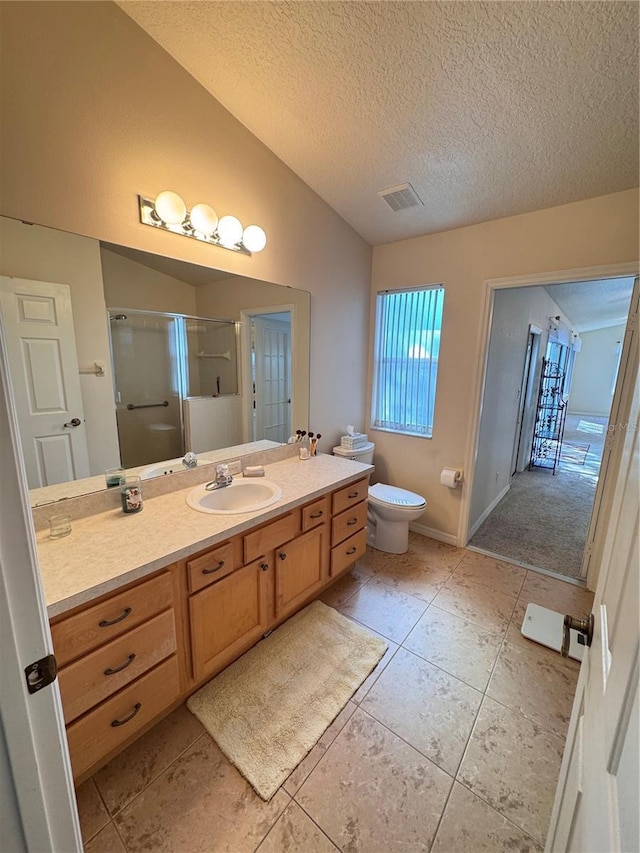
(401, 197)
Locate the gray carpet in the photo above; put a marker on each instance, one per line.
(542, 520)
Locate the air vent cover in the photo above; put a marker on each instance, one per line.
(401, 197)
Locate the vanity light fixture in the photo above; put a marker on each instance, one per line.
(169, 212)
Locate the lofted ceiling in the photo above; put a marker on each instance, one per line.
(488, 109)
(593, 304)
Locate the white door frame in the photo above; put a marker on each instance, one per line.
(37, 776)
(245, 373)
(484, 332)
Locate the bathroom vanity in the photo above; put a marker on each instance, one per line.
(146, 608)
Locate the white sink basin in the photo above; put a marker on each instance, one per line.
(162, 468)
(241, 496)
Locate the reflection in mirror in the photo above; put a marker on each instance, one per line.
(225, 387)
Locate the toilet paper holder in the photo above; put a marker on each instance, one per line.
(451, 477)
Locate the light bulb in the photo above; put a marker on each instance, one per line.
(203, 218)
(170, 207)
(254, 239)
(229, 230)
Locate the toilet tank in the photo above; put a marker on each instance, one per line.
(359, 454)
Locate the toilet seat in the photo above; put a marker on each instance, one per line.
(390, 496)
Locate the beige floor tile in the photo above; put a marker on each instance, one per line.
(342, 590)
(295, 831)
(106, 841)
(368, 683)
(362, 571)
(556, 595)
(201, 803)
(469, 825)
(455, 645)
(435, 714)
(439, 555)
(477, 604)
(373, 560)
(513, 765)
(374, 793)
(535, 684)
(310, 760)
(494, 574)
(388, 611)
(131, 771)
(93, 815)
(409, 573)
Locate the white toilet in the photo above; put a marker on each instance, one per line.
(390, 509)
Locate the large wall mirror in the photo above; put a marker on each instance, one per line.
(121, 357)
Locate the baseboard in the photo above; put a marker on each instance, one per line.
(432, 533)
(494, 503)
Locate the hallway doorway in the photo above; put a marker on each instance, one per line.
(534, 506)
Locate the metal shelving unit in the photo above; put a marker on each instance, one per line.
(550, 418)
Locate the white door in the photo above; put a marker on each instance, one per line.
(596, 805)
(37, 804)
(272, 392)
(41, 349)
(613, 441)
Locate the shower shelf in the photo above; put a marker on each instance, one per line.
(226, 355)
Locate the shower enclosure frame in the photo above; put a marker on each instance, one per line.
(181, 358)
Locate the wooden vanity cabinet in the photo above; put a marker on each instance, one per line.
(121, 667)
(301, 570)
(228, 616)
(348, 526)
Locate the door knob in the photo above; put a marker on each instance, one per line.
(584, 627)
(74, 422)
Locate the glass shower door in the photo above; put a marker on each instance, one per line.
(147, 385)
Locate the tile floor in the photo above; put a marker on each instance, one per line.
(453, 743)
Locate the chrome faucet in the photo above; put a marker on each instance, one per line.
(223, 478)
(190, 460)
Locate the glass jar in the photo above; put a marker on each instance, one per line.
(131, 494)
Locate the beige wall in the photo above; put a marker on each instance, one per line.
(42, 254)
(94, 112)
(599, 231)
(594, 371)
(128, 284)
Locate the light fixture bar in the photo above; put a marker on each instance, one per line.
(149, 216)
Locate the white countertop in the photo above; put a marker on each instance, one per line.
(110, 549)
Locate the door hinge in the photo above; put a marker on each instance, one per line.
(40, 673)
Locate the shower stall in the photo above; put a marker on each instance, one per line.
(161, 361)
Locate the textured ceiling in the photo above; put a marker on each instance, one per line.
(489, 109)
(593, 304)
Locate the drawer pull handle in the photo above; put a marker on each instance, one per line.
(282, 555)
(129, 717)
(317, 514)
(108, 623)
(353, 495)
(124, 665)
(214, 569)
(264, 567)
(352, 550)
(352, 521)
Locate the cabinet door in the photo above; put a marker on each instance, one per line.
(227, 616)
(301, 569)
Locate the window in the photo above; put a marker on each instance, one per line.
(407, 342)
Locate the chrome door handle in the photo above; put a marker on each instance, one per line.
(584, 627)
(74, 422)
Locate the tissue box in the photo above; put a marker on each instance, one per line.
(350, 442)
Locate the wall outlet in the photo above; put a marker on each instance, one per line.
(235, 467)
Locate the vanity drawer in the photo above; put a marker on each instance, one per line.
(84, 631)
(103, 730)
(211, 566)
(270, 536)
(103, 672)
(350, 495)
(315, 514)
(348, 522)
(348, 552)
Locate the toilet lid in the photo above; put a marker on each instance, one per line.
(395, 497)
